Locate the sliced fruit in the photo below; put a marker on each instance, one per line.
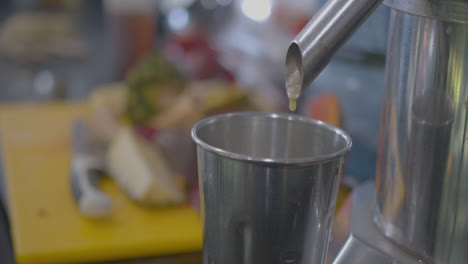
(141, 171)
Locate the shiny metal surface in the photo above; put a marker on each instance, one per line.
(422, 157)
(366, 244)
(448, 10)
(267, 195)
(422, 167)
(312, 49)
(356, 251)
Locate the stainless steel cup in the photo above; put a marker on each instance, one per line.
(268, 185)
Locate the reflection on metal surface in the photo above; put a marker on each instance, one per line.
(366, 244)
(447, 10)
(452, 225)
(421, 152)
(356, 251)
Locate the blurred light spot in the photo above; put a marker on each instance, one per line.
(44, 82)
(259, 10)
(223, 2)
(178, 19)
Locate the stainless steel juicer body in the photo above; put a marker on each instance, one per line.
(421, 200)
(421, 159)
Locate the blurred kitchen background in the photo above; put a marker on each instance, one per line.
(157, 67)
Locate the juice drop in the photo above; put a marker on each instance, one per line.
(292, 104)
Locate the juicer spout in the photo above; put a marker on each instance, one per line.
(312, 49)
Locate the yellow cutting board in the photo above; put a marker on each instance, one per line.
(46, 225)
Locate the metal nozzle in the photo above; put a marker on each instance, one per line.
(312, 49)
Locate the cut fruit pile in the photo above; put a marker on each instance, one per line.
(132, 117)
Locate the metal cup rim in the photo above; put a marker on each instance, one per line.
(292, 161)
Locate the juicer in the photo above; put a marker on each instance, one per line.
(417, 209)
